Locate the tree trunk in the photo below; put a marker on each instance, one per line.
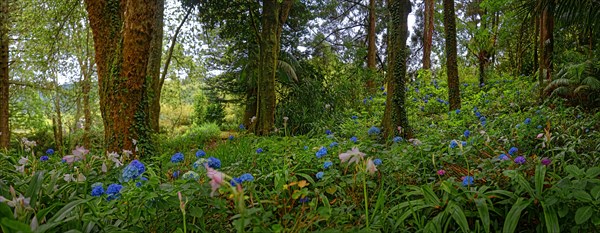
(371, 50)
(57, 119)
(535, 49)
(547, 41)
(395, 108)
(428, 33)
(451, 65)
(122, 45)
(274, 15)
(4, 79)
(153, 71)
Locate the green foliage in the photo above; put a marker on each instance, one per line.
(200, 108)
(579, 83)
(215, 113)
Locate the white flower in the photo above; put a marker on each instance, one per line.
(23, 160)
(134, 141)
(351, 156)
(371, 168)
(415, 142)
(252, 119)
(104, 168)
(69, 178)
(20, 169)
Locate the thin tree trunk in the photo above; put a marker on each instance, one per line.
(547, 41)
(371, 49)
(58, 125)
(451, 63)
(395, 111)
(536, 48)
(154, 66)
(428, 33)
(4, 78)
(122, 45)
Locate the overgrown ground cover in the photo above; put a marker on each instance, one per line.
(503, 162)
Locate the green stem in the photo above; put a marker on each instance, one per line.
(184, 223)
(366, 200)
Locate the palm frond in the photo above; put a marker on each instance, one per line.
(561, 91)
(592, 82)
(287, 73)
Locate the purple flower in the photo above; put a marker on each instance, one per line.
(467, 133)
(441, 172)
(50, 151)
(259, 150)
(520, 160)
(546, 161)
(503, 157)
(453, 144)
(44, 158)
(304, 200)
(328, 132)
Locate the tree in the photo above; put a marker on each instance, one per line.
(123, 32)
(395, 118)
(451, 63)
(153, 69)
(428, 33)
(4, 79)
(371, 49)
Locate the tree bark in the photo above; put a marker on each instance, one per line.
(274, 15)
(395, 108)
(57, 119)
(428, 33)
(547, 41)
(154, 66)
(371, 49)
(122, 35)
(4, 78)
(451, 65)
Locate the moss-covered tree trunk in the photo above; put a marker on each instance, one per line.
(274, 15)
(4, 79)
(451, 65)
(428, 33)
(395, 108)
(371, 49)
(153, 71)
(122, 36)
(546, 41)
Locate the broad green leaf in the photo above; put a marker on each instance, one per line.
(595, 192)
(5, 211)
(582, 196)
(430, 196)
(484, 213)
(573, 170)
(14, 225)
(583, 214)
(34, 187)
(552, 224)
(66, 210)
(540, 173)
(459, 216)
(513, 216)
(593, 172)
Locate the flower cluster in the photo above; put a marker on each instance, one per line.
(113, 191)
(133, 171)
(177, 157)
(321, 152)
(200, 153)
(327, 164)
(259, 150)
(247, 177)
(374, 131)
(214, 163)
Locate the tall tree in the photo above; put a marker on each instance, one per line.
(451, 63)
(153, 70)
(371, 49)
(395, 120)
(428, 33)
(4, 79)
(123, 32)
(274, 16)
(546, 39)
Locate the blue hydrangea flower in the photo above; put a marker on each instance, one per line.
(143, 180)
(385, 93)
(242, 127)
(453, 144)
(513, 151)
(374, 131)
(176, 174)
(214, 163)
(230, 137)
(333, 144)
(319, 175)
(200, 153)
(247, 177)
(133, 170)
(322, 152)
(44, 158)
(377, 162)
(50, 151)
(235, 181)
(199, 163)
(463, 143)
(259, 150)
(457, 111)
(327, 164)
(520, 160)
(528, 120)
(467, 180)
(539, 126)
(304, 200)
(467, 133)
(382, 88)
(397, 139)
(328, 132)
(354, 117)
(354, 139)
(305, 147)
(113, 189)
(478, 115)
(97, 190)
(177, 157)
(503, 157)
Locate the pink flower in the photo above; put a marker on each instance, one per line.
(441, 172)
(216, 178)
(371, 168)
(80, 152)
(351, 156)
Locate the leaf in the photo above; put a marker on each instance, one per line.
(331, 189)
(593, 172)
(66, 210)
(513, 216)
(582, 196)
(583, 214)
(459, 216)
(552, 224)
(14, 225)
(540, 172)
(307, 177)
(302, 183)
(34, 187)
(484, 213)
(5, 211)
(595, 192)
(430, 196)
(573, 170)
